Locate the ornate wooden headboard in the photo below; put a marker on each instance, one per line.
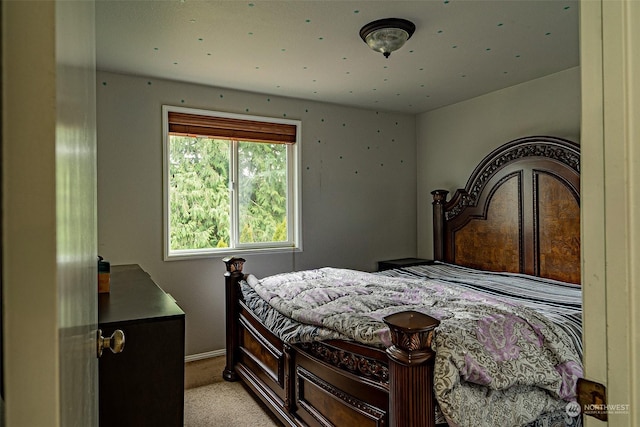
(519, 212)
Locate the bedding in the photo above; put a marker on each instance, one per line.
(507, 349)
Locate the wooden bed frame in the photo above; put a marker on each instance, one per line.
(519, 212)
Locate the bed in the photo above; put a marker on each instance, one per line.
(516, 222)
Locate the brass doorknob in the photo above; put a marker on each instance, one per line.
(115, 342)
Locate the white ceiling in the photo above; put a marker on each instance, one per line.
(312, 49)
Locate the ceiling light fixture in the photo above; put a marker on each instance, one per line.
(387, 35)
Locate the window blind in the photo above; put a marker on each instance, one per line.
(231, 128)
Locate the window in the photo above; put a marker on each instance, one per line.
(230, 183)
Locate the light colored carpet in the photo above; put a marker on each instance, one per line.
(209, 401)
(203, 372)
(224, 404)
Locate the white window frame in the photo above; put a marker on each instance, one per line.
(294, 199)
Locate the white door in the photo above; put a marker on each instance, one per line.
(49, 213)
(610, 73)
(76, 206)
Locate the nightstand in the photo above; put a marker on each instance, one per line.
(402, 262)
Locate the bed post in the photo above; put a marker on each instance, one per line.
(411, 398)
(439, 200)
(232, 278)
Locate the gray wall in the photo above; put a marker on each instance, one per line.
(452, 140)
(358, 189)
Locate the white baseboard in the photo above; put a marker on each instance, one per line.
(206, 355)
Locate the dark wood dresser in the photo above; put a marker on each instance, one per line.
(144, 384)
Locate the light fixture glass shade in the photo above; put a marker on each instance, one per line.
(387, 35)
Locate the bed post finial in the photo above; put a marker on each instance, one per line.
(439, 200)
(411, 358)
(233, 264)
(232, 278)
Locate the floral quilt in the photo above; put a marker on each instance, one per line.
(497, 363)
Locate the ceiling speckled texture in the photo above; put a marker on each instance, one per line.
(312, 49)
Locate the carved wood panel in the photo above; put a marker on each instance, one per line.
(494, 243)
(519, 212)
(329, 405)
(261, 354)
(558, 230)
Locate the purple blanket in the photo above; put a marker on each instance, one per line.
(497, 363)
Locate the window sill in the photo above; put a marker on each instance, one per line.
(203, 254)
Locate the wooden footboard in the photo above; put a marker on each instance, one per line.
(332, 383)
